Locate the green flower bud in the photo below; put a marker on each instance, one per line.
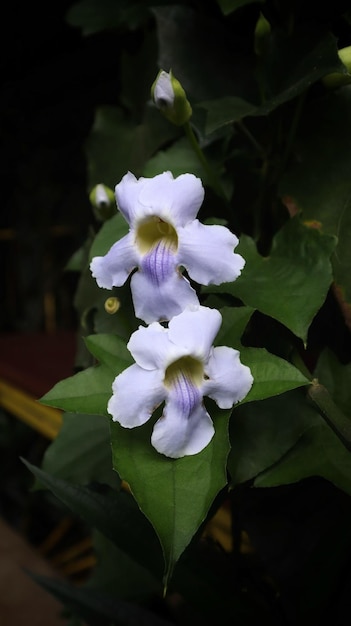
(103, 202)
(338, 79)
(170, 97)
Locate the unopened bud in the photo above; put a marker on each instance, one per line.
(112, 305)
(103, 202)
(338, 79)
(170, 97)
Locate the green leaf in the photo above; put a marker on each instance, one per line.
(81, 452)
(229, 6)
(234, 322)
(116, 145)
(114, 513)
(318, 452)
(96, 607)
(118, 574)
(179, 158)
(336, 377)
(94, 16)
(110, 232)
(292, 66)
(89, 391)
(175, 494)
(262, 432)
(318, 181)
(290, 284)
(227, 110)
(272, 375)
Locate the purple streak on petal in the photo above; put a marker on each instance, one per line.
(186, 395)
(159, 263)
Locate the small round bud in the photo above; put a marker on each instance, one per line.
(170, 97)
(112, 305)
(103, 202)
(338, 79)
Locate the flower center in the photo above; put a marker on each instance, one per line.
(150, 232)
(184, 378)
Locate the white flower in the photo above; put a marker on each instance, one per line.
(179, 365)
(163, 237)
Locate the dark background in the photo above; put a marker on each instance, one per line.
(52, 80)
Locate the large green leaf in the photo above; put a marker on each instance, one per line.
(319, 452)
(290, 284)
(291, 67)
(114, 513)
(283, 440)
(93, 16)
(272, 375)
(318, 181)
(116, 144)
(81, 452)
(175, 494)
(336, 377)
(89, 391)
(262, 432)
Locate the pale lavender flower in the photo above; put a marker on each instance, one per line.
(164, 237)
(179, 365)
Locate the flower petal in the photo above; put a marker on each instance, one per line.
(207, 253)
(161, 302)
(195, 329)
(229, 380)
(176, 200)
(136, 394)
(113, 269)
(163, 92)
(152, 349)
(127, 192)
(175, 435)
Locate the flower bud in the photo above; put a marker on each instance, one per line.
(112, 305)
(170, 97)
(338, 79)
(103, 202)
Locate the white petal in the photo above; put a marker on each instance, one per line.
(176, 200)
(229, 380)
(127, 192)
(175, 435)
(113, 269)
(207, 253)
(195, 329)
(163, 92)
(136, 394)
(154, 302)
(152, 349)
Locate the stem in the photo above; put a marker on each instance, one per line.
(211, 174)
(241, 126)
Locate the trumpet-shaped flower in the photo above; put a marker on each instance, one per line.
(178, 365)
(164, 237)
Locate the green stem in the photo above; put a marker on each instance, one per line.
(211, 174)
(335, 418)
(241, 126)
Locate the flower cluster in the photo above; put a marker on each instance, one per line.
(175, 363)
